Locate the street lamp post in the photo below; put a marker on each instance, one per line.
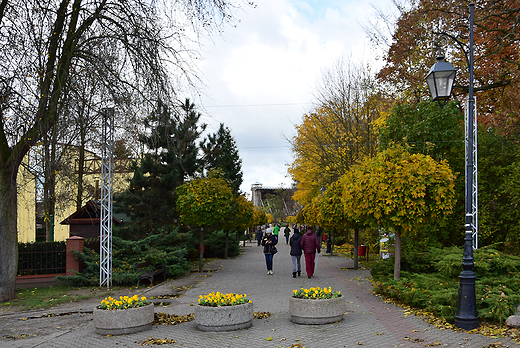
(440, 82)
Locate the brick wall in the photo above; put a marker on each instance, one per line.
(74, 265)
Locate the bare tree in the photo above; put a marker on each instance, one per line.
(132, 47)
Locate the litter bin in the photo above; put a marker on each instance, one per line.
(362, 250)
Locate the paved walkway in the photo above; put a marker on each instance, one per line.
(368, 321)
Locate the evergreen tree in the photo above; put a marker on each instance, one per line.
(220, 152)
(172, 156)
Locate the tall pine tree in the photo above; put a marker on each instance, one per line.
(220, 152)
(171, 140)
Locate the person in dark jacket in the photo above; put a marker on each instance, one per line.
(296, 252)
(259, 235)
(318, 233)
(286, 233)
(269, 241)
(310, 244)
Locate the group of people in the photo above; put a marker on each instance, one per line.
(308, 244)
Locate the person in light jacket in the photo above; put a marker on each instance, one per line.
(310, 244)
(296, 252)
(268, 242)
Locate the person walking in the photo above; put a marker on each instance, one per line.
(296, 252)
(259, 235)
(319, 231)
(276, 231)
(310, 244)
(269, 242)
(286, 233)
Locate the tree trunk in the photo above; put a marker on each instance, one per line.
(52, 188)
(397, 264)
(201, 250)
(226, 247)
(49, 185)
(356, 248)
(8, 229)
(46, 183)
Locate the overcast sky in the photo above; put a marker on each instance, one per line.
(261, 75)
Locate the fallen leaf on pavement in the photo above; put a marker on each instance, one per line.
(172, 319)
(261, 315)
(157, 341)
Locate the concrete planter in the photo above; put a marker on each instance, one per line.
(225, 318)
(314, 312)
(123, 321)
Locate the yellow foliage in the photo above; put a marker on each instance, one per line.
(329, 141)
(397, 188)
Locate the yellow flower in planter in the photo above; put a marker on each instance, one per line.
(316, 293)
(123, 303)
(218, 299)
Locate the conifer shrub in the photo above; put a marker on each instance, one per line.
(216, 243)
(166, 247)
(430, 282)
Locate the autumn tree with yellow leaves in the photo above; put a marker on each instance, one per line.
(259, 217)
(241, 216)
(205, 202)
(338, 132)
(398, 191)
(310, 213)
(332, 216)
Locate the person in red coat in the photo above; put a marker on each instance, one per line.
(310, 244)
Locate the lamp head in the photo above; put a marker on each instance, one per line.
(440, 80)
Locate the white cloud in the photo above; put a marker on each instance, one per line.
(261, 75)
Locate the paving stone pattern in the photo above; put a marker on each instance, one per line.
(368, 322)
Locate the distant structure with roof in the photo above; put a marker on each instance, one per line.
(261, 195)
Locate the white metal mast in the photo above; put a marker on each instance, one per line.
(474, 193)
(105, 232)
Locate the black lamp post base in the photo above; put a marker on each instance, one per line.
(466, 323)
(467, 316)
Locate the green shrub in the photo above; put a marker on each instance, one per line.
(340, 240)
(382, 270)
(435, 287)
(216, 243)
(167, 248)
(416, 262)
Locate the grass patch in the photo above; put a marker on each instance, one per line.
(47, 297)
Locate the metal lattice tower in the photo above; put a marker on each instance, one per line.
(105, 232)
(474, 195)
